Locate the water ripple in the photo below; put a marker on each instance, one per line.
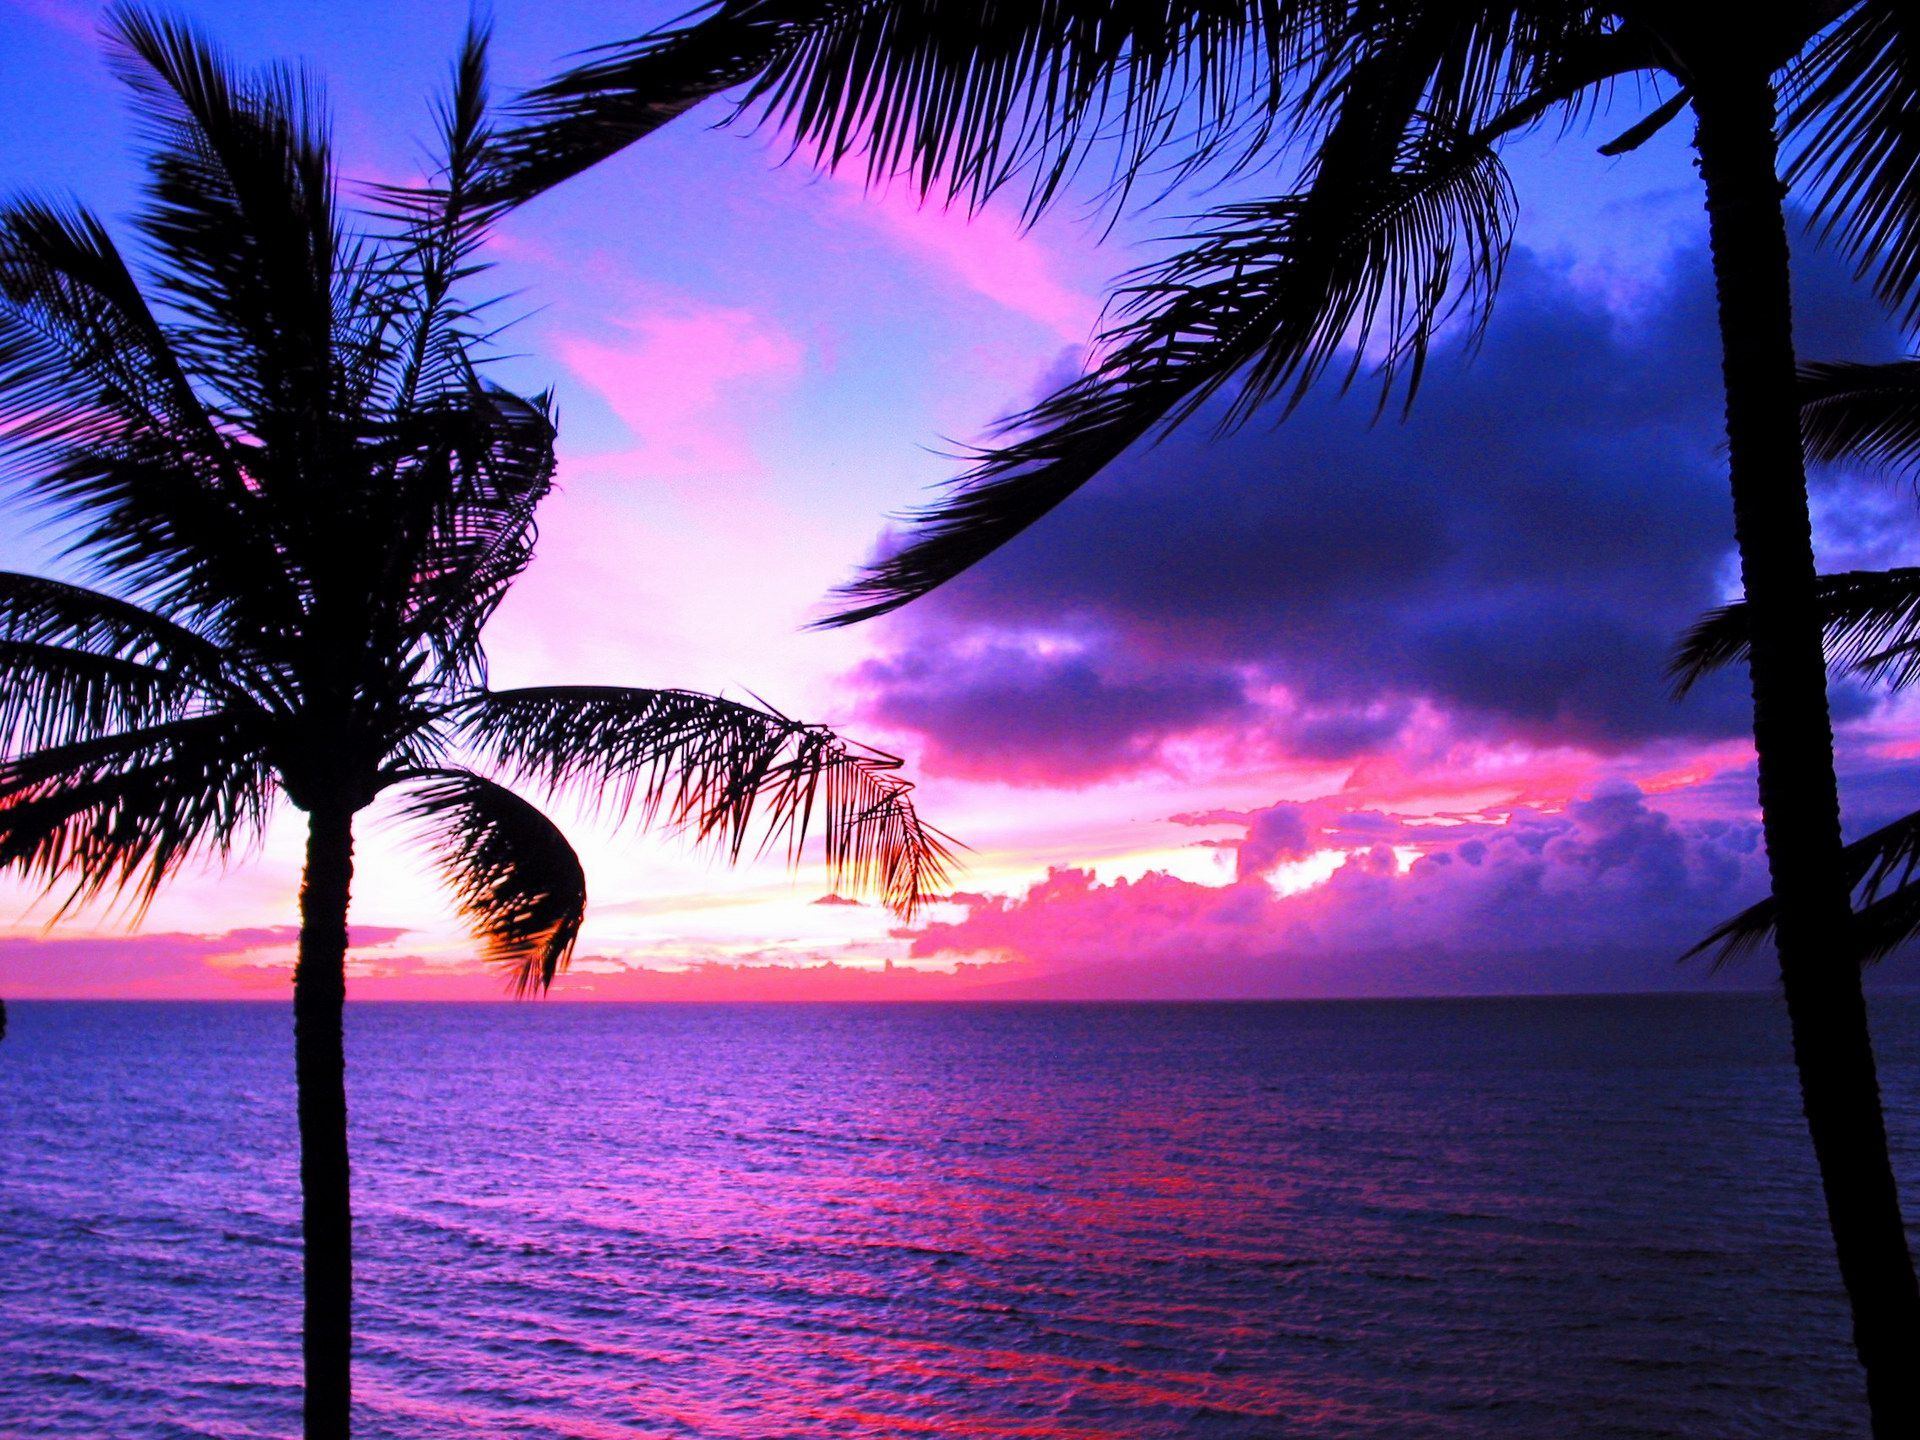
(1583, 1219)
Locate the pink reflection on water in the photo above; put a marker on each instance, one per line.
(1036, 1223)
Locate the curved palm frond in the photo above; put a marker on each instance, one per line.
(513, 872)
(1862, 411)
(960, 99)
(77, 665)
(1880, 870)
(121, 813)
(719, 769)
(1871, 619)
(1882, 927)
(951, 95)
(1370, 260)
(1854, 129)
(81, 354)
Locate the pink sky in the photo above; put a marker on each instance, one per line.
(1335, 708)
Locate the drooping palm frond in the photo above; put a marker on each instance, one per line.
(119, 814)
(1370, 263)
(82, 357)
(628, 91)
(720, 769)
(958, 99)
(948, 94)
(1886, 924)
(1880, 871)
(1854, 132)
(1871, 619)
(513, 872)
(1862, 411)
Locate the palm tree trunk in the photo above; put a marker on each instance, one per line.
(1799, 797)
(319, 993)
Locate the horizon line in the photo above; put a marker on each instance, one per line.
(576, 1002)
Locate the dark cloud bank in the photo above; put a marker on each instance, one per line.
(1522, 553)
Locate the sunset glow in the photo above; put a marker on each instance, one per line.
(1317, 709)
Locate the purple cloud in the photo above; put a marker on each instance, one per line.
(1521, 554)
(1603, 895)
(1006, 711)
(170, 963)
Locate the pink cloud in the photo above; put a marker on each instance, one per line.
(818, 980)
(691, 382)
(1601, 895)
(987, 252)
(172, 964)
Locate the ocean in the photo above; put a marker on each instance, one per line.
(1527, 1218)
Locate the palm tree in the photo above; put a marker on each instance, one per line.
(300, 503)
(1868, 414)
(1381, 123)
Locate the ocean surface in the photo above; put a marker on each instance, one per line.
(1567, 1218)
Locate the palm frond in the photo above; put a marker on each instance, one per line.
(108, 429)
(1880, 871)
(951, 95)
(82, 358)
(120, 814)
(1888, 923)
(460, 516)
(720, 770)
(145, 517)
(52, 695)
(1370, 261)
(1871, 619)
(439, 229)
(516, 877)
(1857, 411)
(241, 208)
(1854, 132)
(960, 99)
(35, 610)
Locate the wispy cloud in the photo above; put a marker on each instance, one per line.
(247, 959)
(987, 253)
(689, 381)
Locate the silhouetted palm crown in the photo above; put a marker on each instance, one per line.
(302, 502)
(1382, 121)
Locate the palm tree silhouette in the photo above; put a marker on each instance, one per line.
(1868, 414)
(1383, 122)
(302, 502)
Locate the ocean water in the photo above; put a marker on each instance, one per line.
(1569, 1218)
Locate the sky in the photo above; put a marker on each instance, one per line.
(1340, 706)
